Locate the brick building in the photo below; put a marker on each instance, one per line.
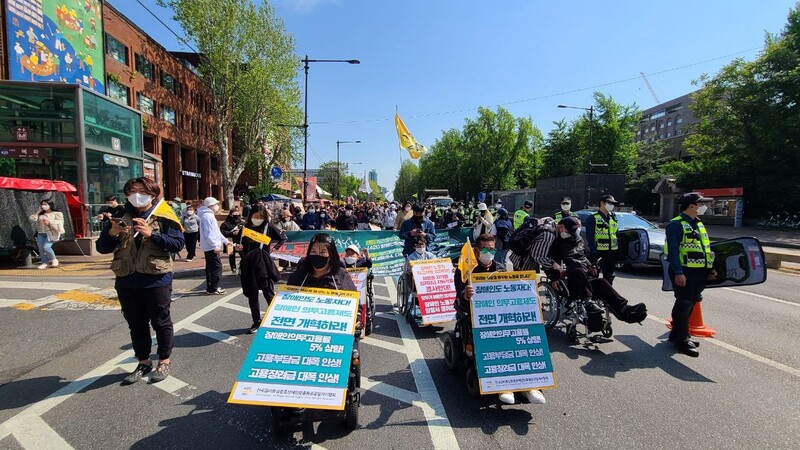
(175, 107)
(669, 122)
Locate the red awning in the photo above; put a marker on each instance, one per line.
(23, 184)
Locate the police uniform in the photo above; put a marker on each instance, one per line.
(561, 214)
(520, 215)
(605, 243)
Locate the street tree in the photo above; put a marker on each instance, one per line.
(249, 64)
(407, 183)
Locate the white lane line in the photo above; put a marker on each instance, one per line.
(387, 390)
(40, 286)
(235, 307)
(209, 333)
(170, 385)
(383, 344)
(763, 296)
(56, 398)
(35, 434)
(9, 302)
(442, 434)
(740, 351)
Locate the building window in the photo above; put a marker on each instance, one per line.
(214, 163)
(653, 128)
(168, 82)
(661, 125)
(669, 134)
(679, 120)
(661, 136)
(638, 132)
(145, 67)
(167, 114)
(144, 104)
(669, 123)
(118, 91)
(116, 49)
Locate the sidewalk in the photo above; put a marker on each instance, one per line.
(98, 267)
(768, 238)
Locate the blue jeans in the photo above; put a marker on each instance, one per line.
(45, 248)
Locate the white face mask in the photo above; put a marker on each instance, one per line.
(609, 207)
(257, 222)
(702, 209)
(485, 258)
(566, 206)
(311, 211)
(564, 235)
(214, 208)
(45, 207)
(140, 200)
(455, 210)
(420, 250)
(350, 259)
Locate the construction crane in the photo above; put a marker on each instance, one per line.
(649, 87)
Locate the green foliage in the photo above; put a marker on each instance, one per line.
(646, 173)
(493, 151)
(407, 183)
(747, 130)
(8, 167)
(326, 178)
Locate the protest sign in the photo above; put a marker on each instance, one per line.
(359, 277)
(511, 350)
(436, 292)
(300, 356)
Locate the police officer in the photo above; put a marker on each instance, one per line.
(566, 205)
(469, 214)
(601, 235)
(523, 213)
(688, 251)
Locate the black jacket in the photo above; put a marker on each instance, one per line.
(227, 229)
(462, 304)
(259, 273)
(571, 252)
(344, 223)
(337, 279)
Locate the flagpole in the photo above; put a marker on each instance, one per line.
(150, 215)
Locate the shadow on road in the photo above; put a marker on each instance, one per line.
(21, 393)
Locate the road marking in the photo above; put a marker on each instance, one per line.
(209, 333)
(383, 344)
(442, 434)
(34, 433)
(763, 296)
(61, 395)
(740, 351)
(40, 286)
(235, 307)
(169, 385)
(387, 390)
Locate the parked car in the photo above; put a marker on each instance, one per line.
(630, 221)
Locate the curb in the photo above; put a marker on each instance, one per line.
(763, 243)
(188, 273)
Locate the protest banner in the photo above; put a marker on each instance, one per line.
(511, 350)
(385, 247)
(300, 356)
(436, 292)
(359, 277)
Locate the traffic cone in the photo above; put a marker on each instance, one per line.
(697, 326)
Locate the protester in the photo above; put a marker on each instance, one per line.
(211, 242)
(354, 258)
(258, 271)
(230, 229)
(484, 251)
(417, 225)
(311, 220)
(483, 221)
(142, 244)
(322, 268)
(390, 217)
(286, 223)
(346, 221)
(191, 232)
(49, 226)
(403, 215)
(453, 218)
(112, 209)
(501, 230)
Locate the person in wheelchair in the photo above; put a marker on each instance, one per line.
(355, 259)
(581, 275)
(484, 250)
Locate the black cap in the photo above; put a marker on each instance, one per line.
(528, 204)
(349, 206)
(566, 199)
(417, 208)
(608, 198)
(692, 198)
(571, 223)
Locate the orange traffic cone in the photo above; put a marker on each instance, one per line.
(697, 326)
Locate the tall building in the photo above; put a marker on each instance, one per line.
(373, 175)
(669, 122)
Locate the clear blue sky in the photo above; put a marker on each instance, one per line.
(439, 60)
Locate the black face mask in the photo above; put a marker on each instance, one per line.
(318, 261)
(417, 219)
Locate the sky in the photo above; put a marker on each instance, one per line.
(437, 61)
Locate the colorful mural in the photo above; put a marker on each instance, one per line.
(56, 40)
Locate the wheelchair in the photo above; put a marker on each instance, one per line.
(558, 310)
(408, 305)
(369, 324)
(459, 352)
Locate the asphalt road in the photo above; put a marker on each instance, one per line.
(65, 350)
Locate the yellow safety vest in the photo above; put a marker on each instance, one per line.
(605, 233)
(694, 249)
(560, 215)
(519, 218)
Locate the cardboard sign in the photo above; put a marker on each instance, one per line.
(301, 354)
(359, 277)
(511, 350)
(436, 291)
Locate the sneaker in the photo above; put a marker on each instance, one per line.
(233, 270)
(534, 396)
(42, 266)
(137, 374)
(253, 329)
(188, 259)
(219, 291)
(161, 373)
(507, 398)
(54, 263)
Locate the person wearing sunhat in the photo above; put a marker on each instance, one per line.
(688, 251)
(601, 236)
(353, 258)
(483, 221)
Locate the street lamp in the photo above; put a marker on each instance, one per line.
(339, 168)
(589, 171)
(306, 61)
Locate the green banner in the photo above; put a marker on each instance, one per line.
(384, 247)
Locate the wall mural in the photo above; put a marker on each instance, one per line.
(56, 40)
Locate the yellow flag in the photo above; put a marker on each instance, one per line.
(164, 210)
(407, 141)
(466, 262)
(256, 236)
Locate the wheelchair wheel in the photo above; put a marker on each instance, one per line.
(572, 333)
(607, 330)
(278, 429)
(551, 305)
(370, 325)
(472, 382)
(453, 352)
(351, 414)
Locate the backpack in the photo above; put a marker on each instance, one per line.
(521, 238)
(503, 230)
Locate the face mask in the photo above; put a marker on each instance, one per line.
(214, 208)
(350, 259)
(420, 250)
(189, 213)
(564, 235)
(140, 200)
(702, 209)
(348, 213)
(566, 206)
(455, 210)
(45, 207)
(311, 211)
(486, 257)
(257, 222)
(318, 261)
(609, 207)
